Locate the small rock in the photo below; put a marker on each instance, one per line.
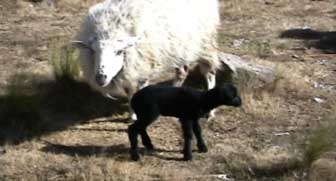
(295, 56)
(326, 87)
(323, 62)
(238, 43)
(318, 100)
(281, 134)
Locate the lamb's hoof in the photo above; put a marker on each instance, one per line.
(135, 155)
(188, 158)
(150, 149)
(202, 149)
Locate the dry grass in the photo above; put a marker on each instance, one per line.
(20, 113)
(85, 139)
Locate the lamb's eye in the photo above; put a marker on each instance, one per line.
(119, 52)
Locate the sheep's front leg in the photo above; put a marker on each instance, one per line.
(181, 74)
(133, 131)
(187, 134)
(198, 134)
(210, 75)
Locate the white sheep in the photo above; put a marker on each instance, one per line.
(124, 42)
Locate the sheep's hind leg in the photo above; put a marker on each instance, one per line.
(198, 134)
(210, 75)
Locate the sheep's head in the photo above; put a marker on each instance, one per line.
(108, 56)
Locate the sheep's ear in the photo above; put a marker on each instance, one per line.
(80, 44)
(131, 41)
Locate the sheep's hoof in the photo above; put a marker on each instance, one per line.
(202, 149)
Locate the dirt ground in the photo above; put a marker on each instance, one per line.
(263, 140)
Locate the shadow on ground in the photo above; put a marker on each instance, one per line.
(31, 108)
(104, 151)
(85, 150)
(325, 41)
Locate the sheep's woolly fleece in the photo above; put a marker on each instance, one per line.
(171, 33)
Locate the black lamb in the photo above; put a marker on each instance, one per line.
(185, 103)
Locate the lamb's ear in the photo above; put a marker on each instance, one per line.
(80, 44)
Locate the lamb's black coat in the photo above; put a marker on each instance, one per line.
(184, 103)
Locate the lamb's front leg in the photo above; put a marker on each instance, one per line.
(187, 134)
(146, 141)
(133, 132)
(130, 90)
(131, 116)
(198, 133)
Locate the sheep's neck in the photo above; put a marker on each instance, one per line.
(209, 100)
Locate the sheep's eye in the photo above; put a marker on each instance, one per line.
(119, 52)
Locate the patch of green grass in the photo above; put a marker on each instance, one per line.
(231, 43)
(65, 64)
(321, 140)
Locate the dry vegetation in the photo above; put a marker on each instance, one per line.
(54, 127)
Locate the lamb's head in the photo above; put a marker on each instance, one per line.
(228, 95)
(108, 56)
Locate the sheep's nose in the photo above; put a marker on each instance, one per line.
(101, 79)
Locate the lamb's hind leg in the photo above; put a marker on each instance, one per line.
(152, 114)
